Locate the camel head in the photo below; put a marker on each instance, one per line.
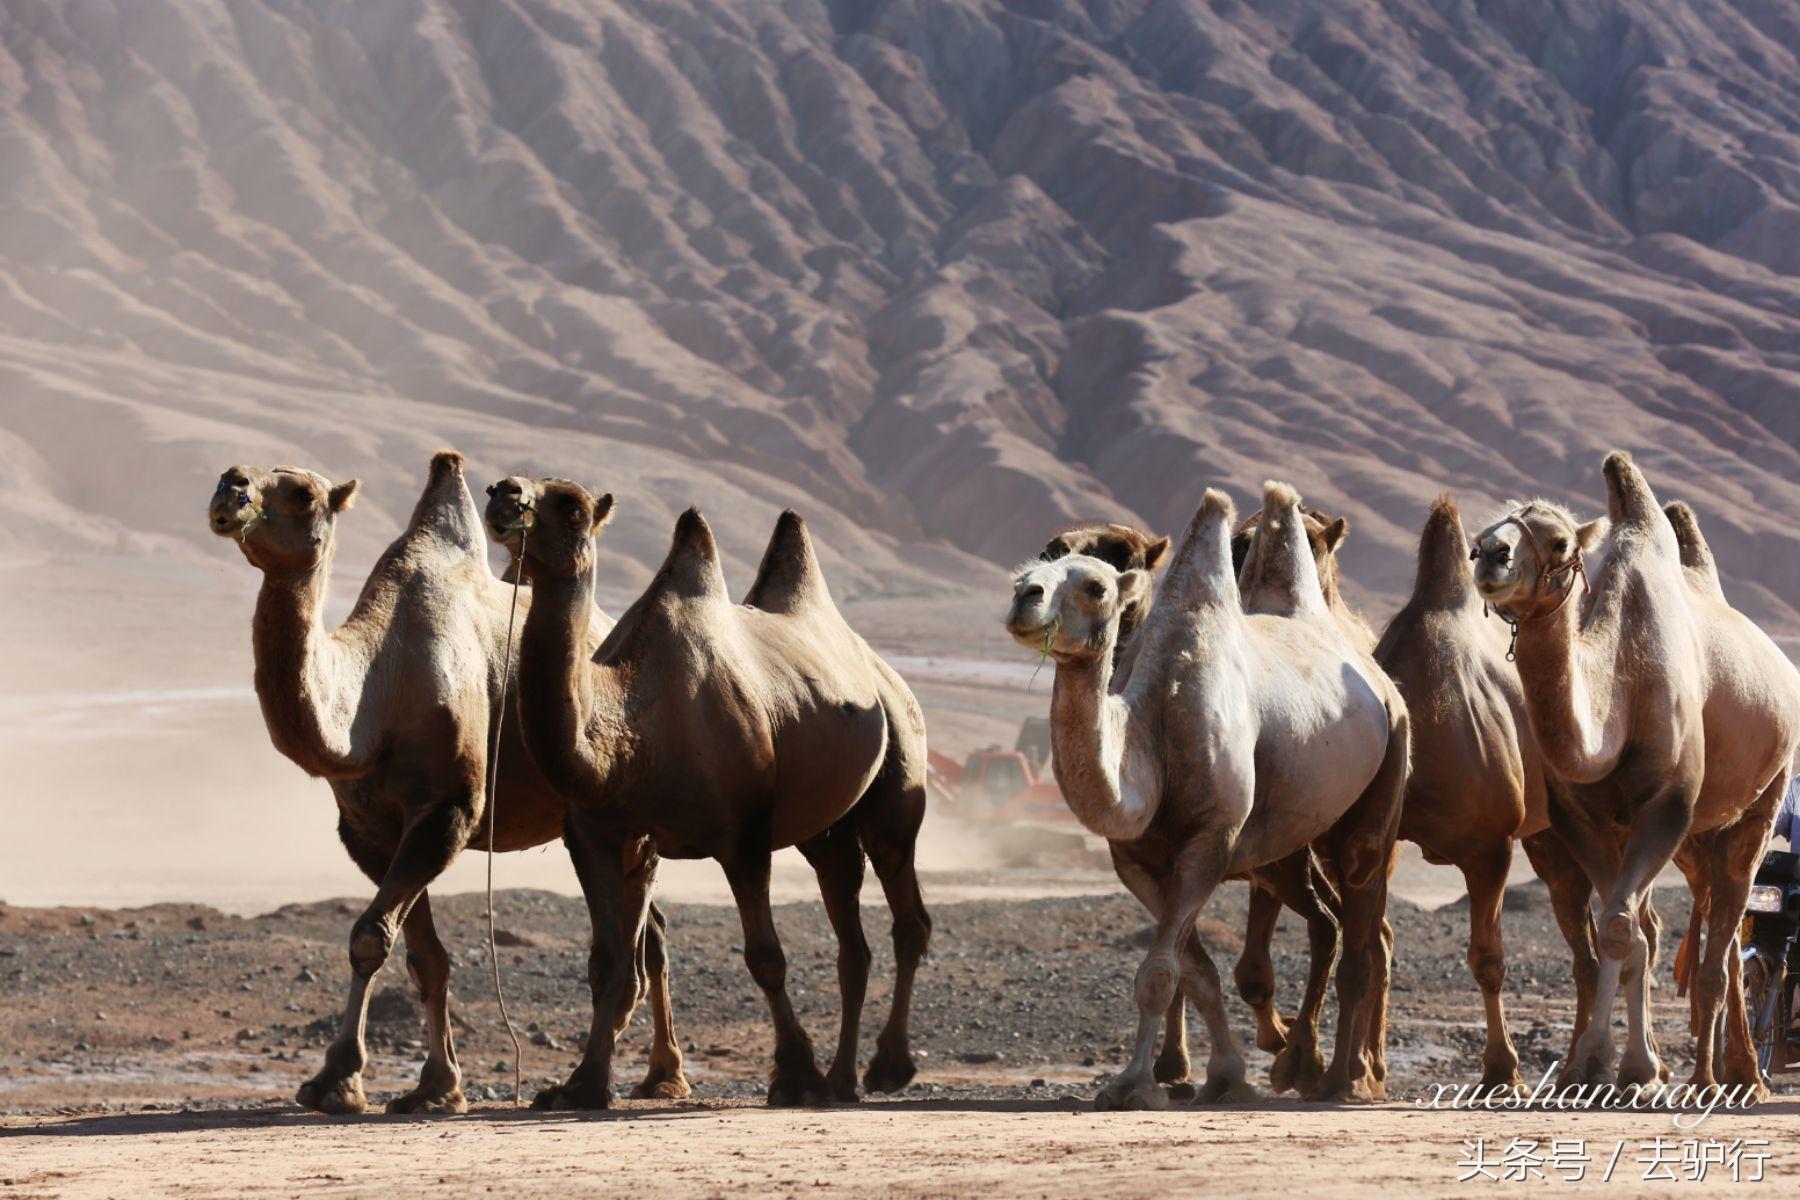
(558, 519)
(1121, 547)
(1529, 562)
(282, 518)
(1069, 608)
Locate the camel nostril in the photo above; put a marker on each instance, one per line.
(1033, 591)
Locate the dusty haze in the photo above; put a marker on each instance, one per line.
(942, 274)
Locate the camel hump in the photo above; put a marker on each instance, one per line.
(1696, 554)
(1629, 499)
(1280, 574)
(1443, 573)
(691, 571)
(1200, 573)
(789, 577)
(446, 510)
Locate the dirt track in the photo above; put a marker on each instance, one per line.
(905, 1148)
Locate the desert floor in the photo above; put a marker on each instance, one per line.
(155, 1051)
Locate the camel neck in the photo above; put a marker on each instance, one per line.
(297, 678)
(1568, 675)
(1088, 728)
(560, 689)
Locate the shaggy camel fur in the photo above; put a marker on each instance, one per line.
(1297, 881)
(1478, 783)
(720, 731)
(1237, 741)
(1669, 720)
(395, 709)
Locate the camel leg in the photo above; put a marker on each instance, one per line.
(1255, 971)
(837, 860)
(795, 1080)
(1485, 875)
(1299, 885)
(888, 823)
(429, 843)
(1199, 866)
(597, 850)
(1570, 896)
(665, 1080)
(1173, 1065)
(1225, 1082)
(440, 1079)
(1361, 848)
(1731, 856)
(1657, 828)
(1376, 1047)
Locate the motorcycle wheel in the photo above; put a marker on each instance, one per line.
(1759, 1006)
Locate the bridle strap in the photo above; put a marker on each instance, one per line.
(1572, 567)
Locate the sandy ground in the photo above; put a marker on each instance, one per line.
(906, 1148)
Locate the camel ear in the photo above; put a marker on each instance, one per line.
(1335, 533)
(1134, 585)
(1589, 536)
(1154, 553)
(343, 496)
(1056, 548)
(603, 509)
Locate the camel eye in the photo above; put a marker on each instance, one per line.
(1096, 590)
(1560, 545)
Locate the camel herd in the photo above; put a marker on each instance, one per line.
(1238, 720)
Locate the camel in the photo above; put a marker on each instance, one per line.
(1478, 783)
(1296, 882)
(394, 708)
(1668, 720)
(720, 731)
(1165, 765)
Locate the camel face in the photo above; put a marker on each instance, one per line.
(282, 517)
(557, 517)
(1120, 546)
(1066, 607)
(1526, 562)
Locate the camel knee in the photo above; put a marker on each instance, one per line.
(371, 940)
(768, 965)
(603, 967)
(1156, 981)
(912, 936)
(1710, 980)
(1620, 936)
(1255, 980)
(1489, 969)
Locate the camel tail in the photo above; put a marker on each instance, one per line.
(1696, 555)
(691, 571)
(1200, 572)
(789, 577)
(446, 510)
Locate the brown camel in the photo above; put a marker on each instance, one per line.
(1296, 882)
(1478, 783)
(1236, 742)
(720, 731)
(1669, 721)
(394, 709)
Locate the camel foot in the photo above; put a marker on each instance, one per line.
(1645, 1074)
(1126, 1094)
(1184, 1091)
(889, 1072)
(843, 1086)
(1228, 1090)
(1336, 1088)
(1172, 1066)
(1299, 1066)
(334, 1097)
(660, 1085)
(576, 1095)
(434, 1102)
(1499, 1081)
(799, 1088)
(1377, 1087)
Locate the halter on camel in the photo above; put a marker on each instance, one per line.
(493, 810)
(1571, 567)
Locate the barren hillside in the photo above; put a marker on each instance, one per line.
(943, 274)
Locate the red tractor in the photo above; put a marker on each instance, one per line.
(1002, 785)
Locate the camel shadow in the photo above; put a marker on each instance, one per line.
(292, 1117)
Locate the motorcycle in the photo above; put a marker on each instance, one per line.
(1769, 941)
